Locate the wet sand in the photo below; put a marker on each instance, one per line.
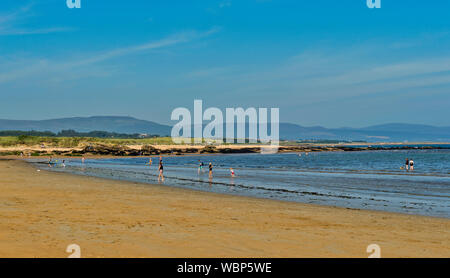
(43, 212)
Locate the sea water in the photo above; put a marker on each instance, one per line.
(358, 180)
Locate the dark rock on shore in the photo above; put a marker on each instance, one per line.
(110, 150)
(147, 150)
(241, 150)
(209, 149)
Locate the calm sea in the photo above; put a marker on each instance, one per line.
(360, 180)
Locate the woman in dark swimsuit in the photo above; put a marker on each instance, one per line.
(210, 170)
(161, 171)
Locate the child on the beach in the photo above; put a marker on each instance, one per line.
(232, 173)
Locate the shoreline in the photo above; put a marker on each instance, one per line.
(177, 187)
(108, 150)
(45, 211)
(180, 186)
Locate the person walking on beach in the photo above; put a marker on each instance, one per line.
(407, 164)
(210, 169)
(411, 165)
(161, 171)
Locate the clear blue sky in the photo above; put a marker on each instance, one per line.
(323, 62)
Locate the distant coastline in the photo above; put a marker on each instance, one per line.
(394, 132)
(142, 147)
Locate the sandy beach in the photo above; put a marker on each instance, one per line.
(43, 212)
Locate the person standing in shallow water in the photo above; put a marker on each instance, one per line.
(407, 164)
(411, 165)
(210, 169)
(200, 166)
(161, 171)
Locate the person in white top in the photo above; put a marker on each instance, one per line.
(232, 172)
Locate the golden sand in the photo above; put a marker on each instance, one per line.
(43, 212)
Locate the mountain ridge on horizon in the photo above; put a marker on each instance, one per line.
(288, 131)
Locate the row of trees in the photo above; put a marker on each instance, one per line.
(73, 133)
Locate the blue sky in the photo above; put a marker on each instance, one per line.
(330, 63)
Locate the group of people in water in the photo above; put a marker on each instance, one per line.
(200, 169)
(150, 162)
(409, 164)
(50, 162)
(201, 165)
(210, 167)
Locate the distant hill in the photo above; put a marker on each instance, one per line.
(387, 132)
(86, 124)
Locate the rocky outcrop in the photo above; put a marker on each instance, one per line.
(240, 150)
(147, 150)
(115, 150)
(209, 149)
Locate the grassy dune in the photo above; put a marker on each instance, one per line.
(73, 142)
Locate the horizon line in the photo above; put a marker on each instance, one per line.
(282, 122)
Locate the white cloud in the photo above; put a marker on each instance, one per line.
(319, 75)
(10, 24)
(169, 41)
(19, 68)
